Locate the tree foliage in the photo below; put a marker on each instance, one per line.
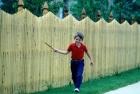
(128, 9)
(35, 6)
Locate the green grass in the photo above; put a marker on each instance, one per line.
(100, 86)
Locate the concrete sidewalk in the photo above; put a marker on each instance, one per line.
(130, 89)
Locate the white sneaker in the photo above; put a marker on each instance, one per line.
(76, 90)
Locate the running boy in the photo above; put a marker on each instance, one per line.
(77, 50)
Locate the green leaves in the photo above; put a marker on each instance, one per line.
(54, 6)
(129, 9)
(9, 6)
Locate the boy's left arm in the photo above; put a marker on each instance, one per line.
(89, 56)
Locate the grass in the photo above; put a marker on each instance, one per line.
(100, 86)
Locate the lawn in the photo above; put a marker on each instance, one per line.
(99, 86)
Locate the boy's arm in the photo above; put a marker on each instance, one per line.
(89, 56)
(61, 51)
(56, 50)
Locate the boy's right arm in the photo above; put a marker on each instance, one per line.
(61, 51)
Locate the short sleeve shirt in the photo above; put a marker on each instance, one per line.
(77, 53)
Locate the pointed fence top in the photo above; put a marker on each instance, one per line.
(122, 19)
(45, 6)
(83, 14)
(83, 11)
(99, 13)
(66, 11)
(20, 3)
(110, 16)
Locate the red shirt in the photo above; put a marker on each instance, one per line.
(77, 53)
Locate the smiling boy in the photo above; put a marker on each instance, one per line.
(77, 50)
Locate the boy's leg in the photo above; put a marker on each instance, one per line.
(79, 74)
(74, 71)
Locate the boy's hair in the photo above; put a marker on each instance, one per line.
(79, 34)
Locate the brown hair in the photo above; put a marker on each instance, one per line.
(79, 34)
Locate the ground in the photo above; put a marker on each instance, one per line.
(100, 86)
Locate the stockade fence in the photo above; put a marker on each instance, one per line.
(28, 65)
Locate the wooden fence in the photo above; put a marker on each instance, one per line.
(28, 65)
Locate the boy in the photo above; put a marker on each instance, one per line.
(77, 50)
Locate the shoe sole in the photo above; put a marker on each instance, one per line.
(76, 91)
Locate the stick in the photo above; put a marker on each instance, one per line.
(49, 45)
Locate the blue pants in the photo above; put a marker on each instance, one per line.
(77, 68)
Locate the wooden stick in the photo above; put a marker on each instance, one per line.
(49, 45)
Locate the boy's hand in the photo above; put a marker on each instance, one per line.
(55, 50)
(91, 63)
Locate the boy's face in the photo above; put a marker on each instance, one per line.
(77, 39)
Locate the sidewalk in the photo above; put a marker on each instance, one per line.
(130, 89)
